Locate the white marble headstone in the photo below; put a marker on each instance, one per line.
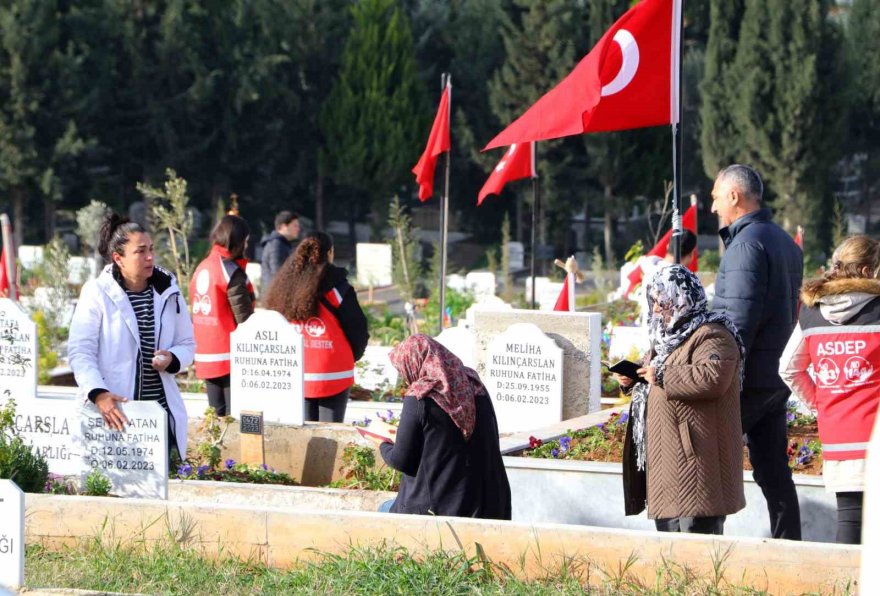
(524, 377)
(626, 339)
(374, 264)
(486, 304)
(481, 283)
(11, 535)
(517, 253)
(267, 368)
(49, 426)
(18, 353)
(136, 458)
(374, 369)
(461, 341)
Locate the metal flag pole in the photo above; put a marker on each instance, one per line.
(536, 204)
(677, 141)
(445, 83)
(9, 252)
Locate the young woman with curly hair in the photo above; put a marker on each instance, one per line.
(314, 295)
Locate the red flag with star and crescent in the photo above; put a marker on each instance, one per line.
(628, 80)
(438, 142)
(518, 162)
(688, 222)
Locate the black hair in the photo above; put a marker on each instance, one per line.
(284, 218)
(230, 233)
(115, 233)
(688, 243)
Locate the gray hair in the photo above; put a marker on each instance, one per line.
(746, 180)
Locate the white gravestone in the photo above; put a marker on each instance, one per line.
(456, 282)
(18, 353)
(11, 535)
(136, 458)
(524, 378)
(267, 368)
(481, 283)
(517, 255)
(625, 340)
(374, 264)
(461, 342)
(49, 426)
(374, 369)
(487, 304)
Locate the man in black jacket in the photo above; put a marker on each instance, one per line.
(757, 287)
(277, 246)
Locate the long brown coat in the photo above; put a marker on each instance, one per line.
(694, 433)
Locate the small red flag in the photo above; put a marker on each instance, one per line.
(566, 300)
(518, 162)
(438, 142)
(688, 222)
(799, 237)
(628, 80)
(7, 278)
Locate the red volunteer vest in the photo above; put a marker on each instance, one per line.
(328, 362)
(212, 316)
(847, 386)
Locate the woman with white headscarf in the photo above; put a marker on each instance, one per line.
(684, 450)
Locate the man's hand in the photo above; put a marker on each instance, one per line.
(113, 416)
(647, 373)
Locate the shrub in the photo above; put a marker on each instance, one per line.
(19, 461)
(97, 484)
(360, 472)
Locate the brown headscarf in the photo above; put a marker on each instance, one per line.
(430, 370)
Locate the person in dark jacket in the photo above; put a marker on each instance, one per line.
(315, 296)
(757, 287)
(222, 299)
(446, 444)
(277, 246)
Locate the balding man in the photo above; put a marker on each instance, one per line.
(757, 286)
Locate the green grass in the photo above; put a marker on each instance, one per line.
(173, 569)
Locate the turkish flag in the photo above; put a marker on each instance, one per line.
(438, 142)
(518, 162)
(628, 80)
(7, 278)
(566, 300)
(688, 222)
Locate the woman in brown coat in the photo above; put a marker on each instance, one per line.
(685, 435)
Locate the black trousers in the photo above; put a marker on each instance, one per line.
(219, 395)
(767, 440)
(327, 409)
(692, 525)
(849, 517)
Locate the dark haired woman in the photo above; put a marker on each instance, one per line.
(313, 294)
(131, 331)
(838, 336)
(222, 298)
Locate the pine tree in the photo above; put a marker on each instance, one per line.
(375, 116)
(787, 71)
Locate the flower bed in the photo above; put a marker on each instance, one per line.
(604, 442)
(234, 472)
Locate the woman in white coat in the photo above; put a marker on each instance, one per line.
(131, 331)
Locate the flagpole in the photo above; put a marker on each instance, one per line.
(677, 137)
(536, 201)
(445, 83)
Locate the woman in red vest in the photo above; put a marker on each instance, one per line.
(838, 335)
(314, 295)
(222, 298)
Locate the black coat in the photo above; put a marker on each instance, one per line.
(349, 314)
(276, 249)
(442, 473)
(757, 287)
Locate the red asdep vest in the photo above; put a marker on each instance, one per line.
(844, 359)
(328, 366)
(212, 316)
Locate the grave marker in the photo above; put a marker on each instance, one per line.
(517, 255)
(524, 378)
(18, 353)
(49, 425)
(253, 450)
(374, 264)
(374, 370)
(267, 367)
(481, 284)
(460, 341)
(11, 535)
(136, 458)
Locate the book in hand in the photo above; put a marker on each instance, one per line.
(378, 430)
(627, 369)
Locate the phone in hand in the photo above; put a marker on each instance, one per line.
(626, 368)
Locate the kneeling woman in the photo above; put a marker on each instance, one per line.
(131, 331)
(685, 430)
(447, 442)
(314, 294)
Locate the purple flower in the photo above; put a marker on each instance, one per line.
(366, 421)
(601, 426)
(390, 415)
(624, 416)
(201, 471)
(230, 463)
(554, 453)
(184, 470)
(789, 416)
(565, 443)
(264, 467)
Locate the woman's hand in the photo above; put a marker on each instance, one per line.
(647, 373)
(161, 360)
(113, 416)
(623, 381)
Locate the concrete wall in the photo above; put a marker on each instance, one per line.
(281, 539)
